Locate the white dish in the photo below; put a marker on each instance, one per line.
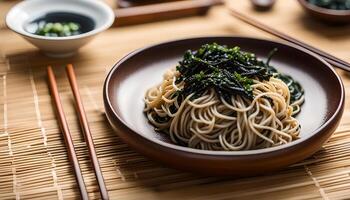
(27, 11)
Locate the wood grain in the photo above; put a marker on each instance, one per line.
(33, 159)
(162, 11)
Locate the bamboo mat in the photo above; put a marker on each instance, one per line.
(33, 159)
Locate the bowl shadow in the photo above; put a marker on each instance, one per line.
(334, 32)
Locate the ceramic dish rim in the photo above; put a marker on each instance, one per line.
(314, 133)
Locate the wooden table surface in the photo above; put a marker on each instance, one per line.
(33, 161)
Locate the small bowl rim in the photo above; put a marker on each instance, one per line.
(325, 11)
(107, 23)
(269, 150)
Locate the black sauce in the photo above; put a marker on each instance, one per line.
(85, 23)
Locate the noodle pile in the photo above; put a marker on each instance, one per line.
(211, 122)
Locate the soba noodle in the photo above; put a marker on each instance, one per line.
(212, 122)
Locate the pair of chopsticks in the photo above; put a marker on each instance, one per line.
(86, 131)
(336, 62)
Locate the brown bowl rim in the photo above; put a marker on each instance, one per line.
(316, 133)
(324, 11)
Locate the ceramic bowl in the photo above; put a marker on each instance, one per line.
(27, 11)
(130, 78)
(326, 15)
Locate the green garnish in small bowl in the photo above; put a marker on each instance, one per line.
(57, 29)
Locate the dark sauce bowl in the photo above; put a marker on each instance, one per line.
(328, 16)
(92, 16)
(86, 23)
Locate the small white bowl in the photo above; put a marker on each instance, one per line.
(27, 11)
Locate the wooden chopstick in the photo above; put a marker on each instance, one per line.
(336, 62)
(86, 131)
(66, 133)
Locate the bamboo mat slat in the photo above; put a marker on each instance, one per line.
(33, 158)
